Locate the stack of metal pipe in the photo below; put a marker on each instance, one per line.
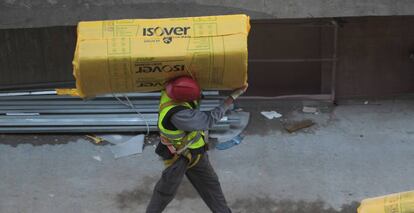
(47, 112)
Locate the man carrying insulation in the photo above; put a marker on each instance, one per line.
(182, 145)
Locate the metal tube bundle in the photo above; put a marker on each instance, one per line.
(51, 113)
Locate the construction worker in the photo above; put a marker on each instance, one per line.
(183, 147)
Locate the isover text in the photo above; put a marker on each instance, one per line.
(149, 84)
(165, 31)
(160, 68)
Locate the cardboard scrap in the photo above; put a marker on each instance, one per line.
(271, 114)
(295, 126)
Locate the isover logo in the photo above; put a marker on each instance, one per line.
(165, 31)
(160, 68)
(150, 84)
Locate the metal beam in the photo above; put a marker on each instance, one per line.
(334, 63)
(86, 110)
(86, 120)
(51, 94)
(90, 129)
(45, 107)
(92, 102)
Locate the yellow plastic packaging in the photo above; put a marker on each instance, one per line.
(140, 55)
(395, 203)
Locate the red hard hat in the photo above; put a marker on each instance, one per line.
(183, 89)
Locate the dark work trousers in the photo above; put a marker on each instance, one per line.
(201, 176)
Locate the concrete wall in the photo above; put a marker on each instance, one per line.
(38, 13)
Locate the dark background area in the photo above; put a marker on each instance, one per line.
(373, 57)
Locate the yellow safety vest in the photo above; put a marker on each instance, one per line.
(179, 139)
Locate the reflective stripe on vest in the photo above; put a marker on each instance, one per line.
(193, 140)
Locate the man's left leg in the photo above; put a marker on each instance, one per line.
(206, 182)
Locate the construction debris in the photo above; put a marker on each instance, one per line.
(115, 138)
(95, 139)
(98, 158)
(130, 147)
(307, 109)
(228, 144)
(271, 114)
(295, 126)
(223, 136)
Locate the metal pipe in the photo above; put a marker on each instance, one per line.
(95, 102)
(75, 129)
(39, 85)
(64, 102)
(28, 93)
(80, 116)
(72, 114)
(87, 123)
(85, 120)
(76, 107)
(51, 94)
(86, 111)
(334, 63)
(76, 122)
(113, 107)
(106, 129)
(145, 116)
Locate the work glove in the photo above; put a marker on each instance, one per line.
(237, 92)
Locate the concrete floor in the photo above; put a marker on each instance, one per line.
(354, 151)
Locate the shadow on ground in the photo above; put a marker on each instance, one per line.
(39, 139)
(141, 194)
(268, 205)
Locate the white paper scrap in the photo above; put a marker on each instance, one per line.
(271, 114)
(310, 109)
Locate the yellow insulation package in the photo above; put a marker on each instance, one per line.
(140, 55)
(395, 203)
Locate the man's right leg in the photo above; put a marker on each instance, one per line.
(166, 187)
(206, 182)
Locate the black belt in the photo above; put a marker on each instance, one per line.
(165, 153)
(200, 150)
